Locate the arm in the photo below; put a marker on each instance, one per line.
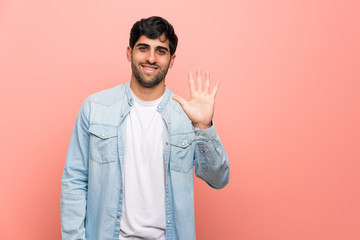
(75, 178)
(211, 162)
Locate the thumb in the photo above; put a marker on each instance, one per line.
(180, 100)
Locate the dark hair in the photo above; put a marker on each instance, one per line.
(154, 27)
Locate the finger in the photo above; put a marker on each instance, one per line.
(198, 79)
(215, 89)
(180, 100)
(191, 83)
(207, 82)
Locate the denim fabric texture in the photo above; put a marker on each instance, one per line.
(91, 186)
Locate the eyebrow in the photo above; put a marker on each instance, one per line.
(147, 45)
(163, 48)
(142, 44)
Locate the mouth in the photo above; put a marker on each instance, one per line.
(149, 68)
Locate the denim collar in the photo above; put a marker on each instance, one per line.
(161, 106)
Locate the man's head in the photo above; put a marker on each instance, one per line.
(151, 51)
(154, 27)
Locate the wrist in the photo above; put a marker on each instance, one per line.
(202, 125)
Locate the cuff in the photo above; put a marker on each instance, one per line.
(205, 135)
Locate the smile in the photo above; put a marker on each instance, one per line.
(149, 68)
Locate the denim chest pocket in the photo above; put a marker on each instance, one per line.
(182, 152)
(103, 143)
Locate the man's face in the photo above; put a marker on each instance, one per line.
(150, 60)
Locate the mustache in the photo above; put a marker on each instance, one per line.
(149, 63)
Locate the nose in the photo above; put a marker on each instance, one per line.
(151, 57)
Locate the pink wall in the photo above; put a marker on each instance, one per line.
(287, 111)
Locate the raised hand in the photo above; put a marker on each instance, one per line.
(200, 108)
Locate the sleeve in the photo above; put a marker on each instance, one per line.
(210, 159)
(75, 179)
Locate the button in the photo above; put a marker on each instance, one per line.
(169, 122)
(197, 133)
(122, 115)
(182, 144)
(103, 135)
(168, 221)
(117, 216)
(121, 190)
(167, 194)
(202, 151)
(130, 99)
(167, 143)
(159, 107)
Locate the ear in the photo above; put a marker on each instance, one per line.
(172, 60)
(128, 53)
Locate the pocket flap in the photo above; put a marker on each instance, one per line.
(103, 131)
(182, 141)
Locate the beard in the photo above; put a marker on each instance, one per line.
(140, 78)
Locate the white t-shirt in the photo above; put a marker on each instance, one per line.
(143, 209)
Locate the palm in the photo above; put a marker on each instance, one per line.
(200, 108)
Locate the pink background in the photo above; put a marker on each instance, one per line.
(287, 110)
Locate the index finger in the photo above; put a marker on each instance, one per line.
(191, 83)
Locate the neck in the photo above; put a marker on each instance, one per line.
(147, 94)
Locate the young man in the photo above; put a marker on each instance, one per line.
(129, 168)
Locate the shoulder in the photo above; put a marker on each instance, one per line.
(105, 107)
(108, 97)
(173, 105)
(180, 122)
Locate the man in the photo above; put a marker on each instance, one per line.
(129, 168)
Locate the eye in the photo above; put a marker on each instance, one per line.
(161, 51)
(142, 48)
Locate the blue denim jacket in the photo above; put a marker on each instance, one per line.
(91, 187)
